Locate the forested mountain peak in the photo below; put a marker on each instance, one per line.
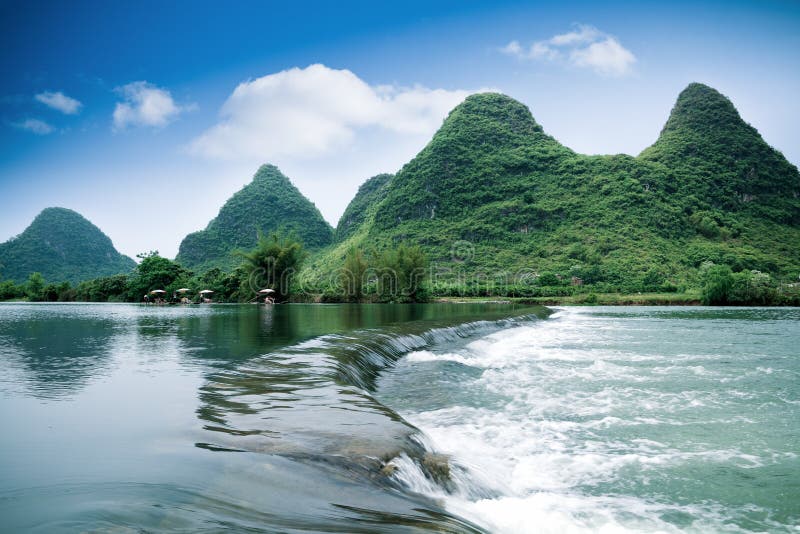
(703, 108)
(269, 203)
(715, 156)
(62, 245)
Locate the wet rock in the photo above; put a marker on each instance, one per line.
(388, 470)
(437, 466)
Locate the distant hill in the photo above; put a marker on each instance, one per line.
(63, 246)
(492, 193)
(269, 203)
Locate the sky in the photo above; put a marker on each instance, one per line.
(145, 117)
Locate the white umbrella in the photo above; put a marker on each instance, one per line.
(206, 291)
(183, 290)
(158, 291)
(267, 291)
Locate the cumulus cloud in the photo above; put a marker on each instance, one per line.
(39, 127)
(145, 105)
(306, 113)
(59, 101)
(585, 47)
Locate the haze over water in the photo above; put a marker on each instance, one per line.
(337, 418)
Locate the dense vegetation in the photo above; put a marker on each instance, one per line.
(495, 206)
(500, 207)
(270, 203)
(63, 246)
(273, 264)
(270, 264)
(357, 211)
(390, 275)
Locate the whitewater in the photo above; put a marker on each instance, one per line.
(612, 420)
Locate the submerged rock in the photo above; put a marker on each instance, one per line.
(437, 466)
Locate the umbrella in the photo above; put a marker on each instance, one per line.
(158, 291)
(206, 291)
(183, 290)
(267, 291)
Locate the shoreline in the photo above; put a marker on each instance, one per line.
(590, 299)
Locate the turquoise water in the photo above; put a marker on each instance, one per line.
(347, 418)
(615, 419)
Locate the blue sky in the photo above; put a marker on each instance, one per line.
(145, 117)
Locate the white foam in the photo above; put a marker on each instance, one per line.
(542, 445)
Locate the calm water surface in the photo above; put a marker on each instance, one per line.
(446, 418)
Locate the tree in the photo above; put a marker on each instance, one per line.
(272, 264)
(155, 272)
(549, 279)
(352, 274)
(752, 288)
(224, 285)
(400, 273)
(717, 281)
(108, 288)
(34, 288)
(9, 290)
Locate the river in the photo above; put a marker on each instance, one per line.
(398, 418)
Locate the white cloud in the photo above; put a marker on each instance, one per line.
(606, 57)
(59, 101)
(580, 35)
(513, 48)
(39, 127)
(145, 105)
(314, 111)
(585, 47)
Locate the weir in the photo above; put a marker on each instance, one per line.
(313, 401)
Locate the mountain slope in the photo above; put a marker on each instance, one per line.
(492, 197)
(731, 167)
(269, 203)
(63, 246)
(369, 193)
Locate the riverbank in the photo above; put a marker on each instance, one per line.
(592, 299)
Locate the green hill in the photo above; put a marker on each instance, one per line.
(492, 197)
(269, 203)
(64, 247)
(722, 161)
(371, 192)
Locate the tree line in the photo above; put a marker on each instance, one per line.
(390, 275)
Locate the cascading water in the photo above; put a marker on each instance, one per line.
(363, 419)
(612, 420)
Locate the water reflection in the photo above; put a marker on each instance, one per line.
(312, 400)
(140, 403)
(56, 354)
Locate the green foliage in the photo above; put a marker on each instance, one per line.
(270, 203)
(9, 290)
(225, 285)
(353, 274)
(548, 279)
(717, 281)
(62, 246)
(753, 288)
(356, 214)
(399, 273)
(34, 287)
(272, 264)
(155, 272)
(730, 166)
(106, 289)
(721, 286)
(710, 189)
